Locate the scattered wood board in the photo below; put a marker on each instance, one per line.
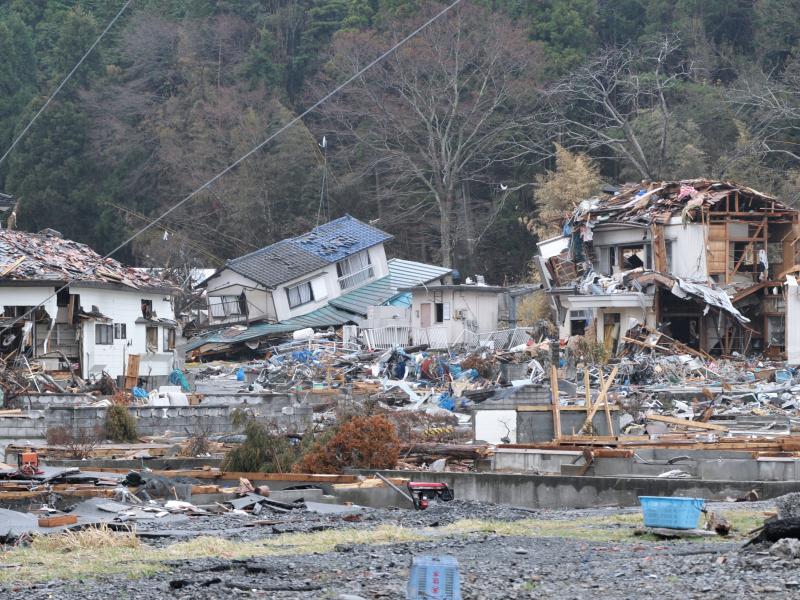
(686, 423)
(58, 520)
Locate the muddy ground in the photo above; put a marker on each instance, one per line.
(600, 557)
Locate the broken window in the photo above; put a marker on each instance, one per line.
(669, 244)
(169, 339)
(151, 334)
(120, 331)
(633, 257)
(577, 322)
(147, 309)
(103, 334)
(354, 270)
(776, 331)
(300, 294)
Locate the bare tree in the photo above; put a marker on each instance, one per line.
(595, 106)
(443, 111)
(770, 106)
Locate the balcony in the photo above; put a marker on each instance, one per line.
(357, 278)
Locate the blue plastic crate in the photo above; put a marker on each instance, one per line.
(671, 513)
(434, 577)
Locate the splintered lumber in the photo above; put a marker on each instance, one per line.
(5, 270)
(686, 423)
(556, 402)
(463, 451)
(601, 398)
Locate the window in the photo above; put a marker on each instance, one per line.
(169, 339)
(227, 306)
(120, 331)
(300, 294)
(633, 257)
(354, 270)
(103, 334)
(442, 311)
(669, 245)
(578, 319)
(151, 334)
(147, 309)
(776, 331)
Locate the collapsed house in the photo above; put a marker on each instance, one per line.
(107, 312)
(711, 264)
(331, 276)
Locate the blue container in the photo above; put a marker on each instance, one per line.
(434, 577)
(782, 376)
(671, 513)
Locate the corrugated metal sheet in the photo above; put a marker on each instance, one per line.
(407, 273)
(322, 317)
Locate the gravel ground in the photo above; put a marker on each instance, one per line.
(491, 566)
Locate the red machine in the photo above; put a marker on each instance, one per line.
(28, 464)
(422, 492)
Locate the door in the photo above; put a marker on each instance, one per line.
(425, 314)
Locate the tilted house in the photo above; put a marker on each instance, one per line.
(106, 312)
(704, 262)
(299, 275)
(335, 274)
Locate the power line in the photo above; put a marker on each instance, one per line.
(66, 79)
(252, 151)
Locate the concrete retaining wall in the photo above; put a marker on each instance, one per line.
(544, 491)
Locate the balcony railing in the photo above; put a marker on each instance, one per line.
(355, 279)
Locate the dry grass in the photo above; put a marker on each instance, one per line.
(98, 552)
(86, 539)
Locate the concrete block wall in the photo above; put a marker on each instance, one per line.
(155, 420)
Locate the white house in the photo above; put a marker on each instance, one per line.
(106, 313)
(443, 315)
(336, 274)
(297, 276)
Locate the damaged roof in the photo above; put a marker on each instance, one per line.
(46, 256)
(659, 201)
(292, 258)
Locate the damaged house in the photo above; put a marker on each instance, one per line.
(107, 312)
(709, 264)
(336, 274)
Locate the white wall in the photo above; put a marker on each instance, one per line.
(490, 425)
(480, 310)
(124, 306)
(792, 291)
(688, 250)
(230, 283)
(325, 279)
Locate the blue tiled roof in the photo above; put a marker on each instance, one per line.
(340, 238)
(295, 257)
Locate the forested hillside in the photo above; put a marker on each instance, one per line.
(446, 144)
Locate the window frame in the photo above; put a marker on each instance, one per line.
(120, 331)
(103, 334)
(168, 340)
(147, 329)
(351, 275)
(299, 301)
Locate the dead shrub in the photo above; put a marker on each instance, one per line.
(78, 446)
(360, 443)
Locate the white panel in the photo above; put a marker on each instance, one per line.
(492, 425)
(320, 290)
